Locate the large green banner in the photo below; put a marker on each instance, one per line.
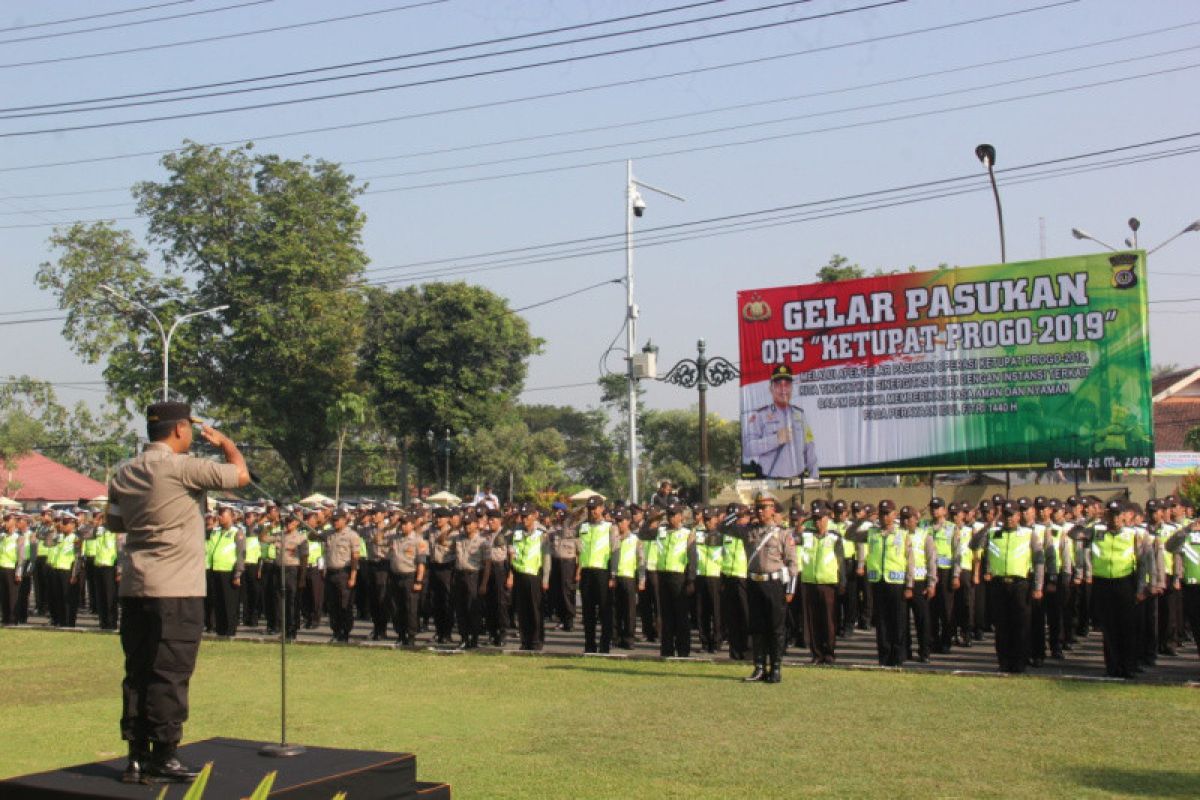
(1030, 365)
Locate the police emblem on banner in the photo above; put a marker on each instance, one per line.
(1123, 276)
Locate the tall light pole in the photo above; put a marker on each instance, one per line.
(164, 334)
(701, 373)
(635, 206)
(1195, 226)
(987, 154)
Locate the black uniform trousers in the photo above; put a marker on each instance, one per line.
(271, 593)
(1191, 610)
(1008, 598)
(41, 581)
(562, 591)
(941, 610)
(820, 620)
(527, 600)
(291, 585)
(160, 637)
(106, 597)
(24, 589)
(339, 595)
(648, 607)
(1114, 603)
(312, 599)
(673, 609)
(918, 607)
(380, 610)
(980, 619)
(251, 595)
(405, 606)
(891, 613)
(1083, 609)
(8, 596)
(795, 622)
(597, 607)
(1055, 602)
(625, 611)
(766, 601)
(708, 592)
(496, 603)
(87, 583)
(441, 598)
(64, 598)
(1170, 614)
(468, 607)
(223, 596)
(847, 603)
(964, 608)
(736, 609)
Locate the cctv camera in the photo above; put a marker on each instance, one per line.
(639, 205)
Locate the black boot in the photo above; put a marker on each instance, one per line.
(760, 662)
(775, 661)
(139, 760)
(166, 767)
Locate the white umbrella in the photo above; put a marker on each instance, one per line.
(8, 502)
(444, 499)
(585, 495)
(316, 499)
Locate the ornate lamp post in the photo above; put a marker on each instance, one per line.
(701, 373)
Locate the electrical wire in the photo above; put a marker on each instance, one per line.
(577, 90)
(132, 23)
(413, 54)
(459, 77)
(220, 37)
(723, 129)
(118, 13)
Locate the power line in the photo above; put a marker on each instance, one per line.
(403, 56)
(464, 76)
(729, 128)
(573, 91)
(132, 23)
(775, 137)
(568, 294)
(219, 38)
(92, 16)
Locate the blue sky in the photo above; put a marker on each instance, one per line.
(847, 117)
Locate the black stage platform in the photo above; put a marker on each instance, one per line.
(318, 774)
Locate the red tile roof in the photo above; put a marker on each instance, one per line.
(1173, 418)
(45, 480)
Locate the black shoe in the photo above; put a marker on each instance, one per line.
(1057, 655)
(1037, 662)
(775, 675)
(139, 760)
(166, 767)
(759, 674)
(1169, 651)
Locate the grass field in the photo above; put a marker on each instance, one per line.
(507, 726)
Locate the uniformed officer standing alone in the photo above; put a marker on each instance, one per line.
(156, 499)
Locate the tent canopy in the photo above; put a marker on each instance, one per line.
(316, 499)
(444, 499)
(584, 495)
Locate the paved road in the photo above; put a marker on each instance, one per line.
(855, 652)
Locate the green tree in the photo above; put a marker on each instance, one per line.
(510, 451)
(443, 355)
(590, 457)
(278, 242)
(19, 432)
(350, 409)
(839, 268)
(1159, 370)
(672, 447)
(1192, 438)
(86, 440)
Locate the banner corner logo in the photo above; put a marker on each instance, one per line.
(756, 310)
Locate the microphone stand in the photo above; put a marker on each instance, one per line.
(283, 749)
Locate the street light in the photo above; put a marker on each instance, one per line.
(1078, 234)
(635, 206)
(1195, 226)
(165, 335)
(1134, 225)
(701, 373)
(987, 154)
(442, 447)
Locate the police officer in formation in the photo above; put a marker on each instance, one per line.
(1050, 571)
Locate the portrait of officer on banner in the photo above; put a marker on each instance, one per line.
(777, 436)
